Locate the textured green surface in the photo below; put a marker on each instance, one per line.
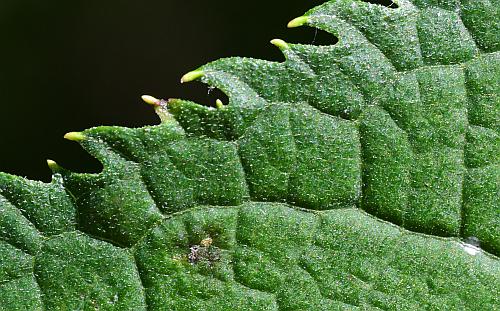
(348, 177)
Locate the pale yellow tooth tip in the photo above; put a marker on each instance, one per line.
(282, 45)
(219, 104)
(191, 76)
(74, 136)
(150, 100)
(297, 22)
(52, 164)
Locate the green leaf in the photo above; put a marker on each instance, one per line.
(362, 175)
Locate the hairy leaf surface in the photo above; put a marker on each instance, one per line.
(360, 175)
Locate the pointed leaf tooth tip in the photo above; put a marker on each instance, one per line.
(297, 22)
(282, 45)
(191, 76)
(219, 104)
(150, 100)
(74, 136)
(52, 164)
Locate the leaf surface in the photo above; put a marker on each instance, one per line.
(362, 175)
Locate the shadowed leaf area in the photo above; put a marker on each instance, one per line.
(360, 175)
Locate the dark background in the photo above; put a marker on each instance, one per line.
(70, 65)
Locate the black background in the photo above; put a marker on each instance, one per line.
(70, 65)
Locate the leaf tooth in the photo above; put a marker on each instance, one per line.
(298, 22)
(53, 165)
(161, 107)
(192, 75)
(75, 136)
(281, 44)
(56, 168)
(219, 104)
(148, 99)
